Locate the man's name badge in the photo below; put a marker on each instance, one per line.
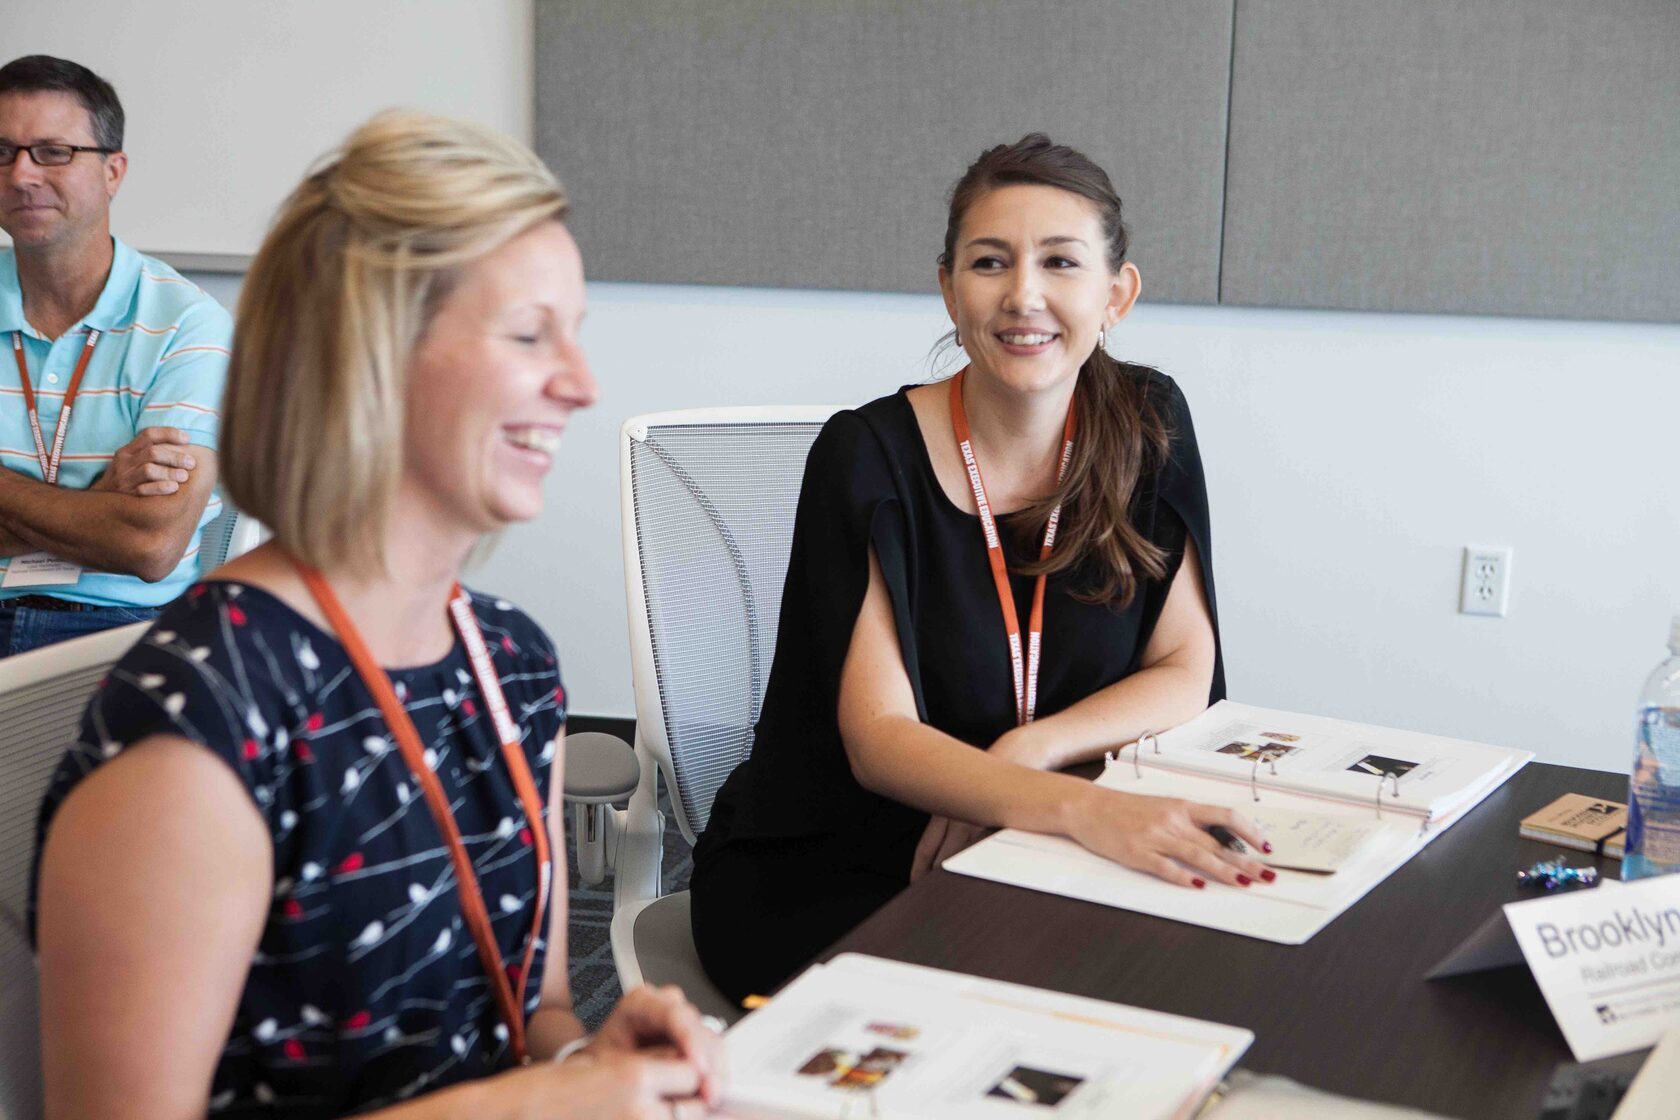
(40, 569)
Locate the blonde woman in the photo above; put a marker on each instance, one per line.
(297, 864)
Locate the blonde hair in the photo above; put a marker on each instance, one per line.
(356, 262)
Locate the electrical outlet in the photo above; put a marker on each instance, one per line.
(1486, 587)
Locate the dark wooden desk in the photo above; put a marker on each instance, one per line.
(1348, 1012)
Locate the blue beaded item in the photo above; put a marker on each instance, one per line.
(1552, 874)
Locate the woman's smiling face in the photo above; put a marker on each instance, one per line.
(494, 379)
(1029, 285)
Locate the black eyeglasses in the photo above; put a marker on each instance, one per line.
(46, 155)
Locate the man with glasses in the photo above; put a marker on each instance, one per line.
(111, 371)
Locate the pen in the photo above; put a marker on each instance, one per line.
(1222, 834)
(1225, 837)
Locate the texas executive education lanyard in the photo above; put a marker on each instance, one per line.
(1026, 675)
(49, 463)
(408, 742)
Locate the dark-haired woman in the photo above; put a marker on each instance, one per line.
(993, 577)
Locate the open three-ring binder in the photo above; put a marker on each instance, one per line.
(861, 1038)
(1400, 788)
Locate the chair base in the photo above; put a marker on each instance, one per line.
(600, 769)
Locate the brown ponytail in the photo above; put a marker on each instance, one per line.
(1122, 435)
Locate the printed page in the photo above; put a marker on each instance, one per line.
(866, 1038)
(1307, 833)
(1289, 911)
(1347, 761)
(1317, 842)
(1654, 1092)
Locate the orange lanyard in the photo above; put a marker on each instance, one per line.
(49, 464)
(1025, 668)
(408, 741)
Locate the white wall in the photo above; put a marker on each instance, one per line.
(1350, 456)
(230, 101)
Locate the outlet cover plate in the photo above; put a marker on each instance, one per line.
(1485, 588)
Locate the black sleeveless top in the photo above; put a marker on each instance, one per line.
(366, 987)
(869, 481)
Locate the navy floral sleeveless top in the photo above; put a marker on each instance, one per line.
(367, 987)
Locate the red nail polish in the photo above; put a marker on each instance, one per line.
(1244, 880)
(1265, 845)
(1198, 883)
(1269, 876)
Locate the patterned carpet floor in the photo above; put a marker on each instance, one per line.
(594, 979)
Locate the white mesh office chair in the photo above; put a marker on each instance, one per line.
(708, 501)
(228, 535)
(42, 695)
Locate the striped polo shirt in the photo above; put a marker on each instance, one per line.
(160, 360)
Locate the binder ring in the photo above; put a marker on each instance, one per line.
(1394, 792)
(1137, 749)
(860, 1105)
(1254, 772)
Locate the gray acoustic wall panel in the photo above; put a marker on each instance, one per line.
(1497, 156)
(811, 143)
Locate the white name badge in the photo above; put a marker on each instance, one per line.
(1607, 961)
(40, 569)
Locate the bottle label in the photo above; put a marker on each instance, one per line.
(1659, 733)
(1654, 788)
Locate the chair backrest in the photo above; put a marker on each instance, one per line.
(226, 536)
(708, 497)
(20, 1029)
(42, 696)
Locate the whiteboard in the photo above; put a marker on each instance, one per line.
(230, 102)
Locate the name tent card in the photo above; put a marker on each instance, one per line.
(1607, 961)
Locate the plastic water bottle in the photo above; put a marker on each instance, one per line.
(1653, 831)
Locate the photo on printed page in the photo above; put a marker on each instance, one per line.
(852, 1069)
(1041, 1087)
(1383, 766)
(1265, 752)
(871, 1069)
(829, 1063)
